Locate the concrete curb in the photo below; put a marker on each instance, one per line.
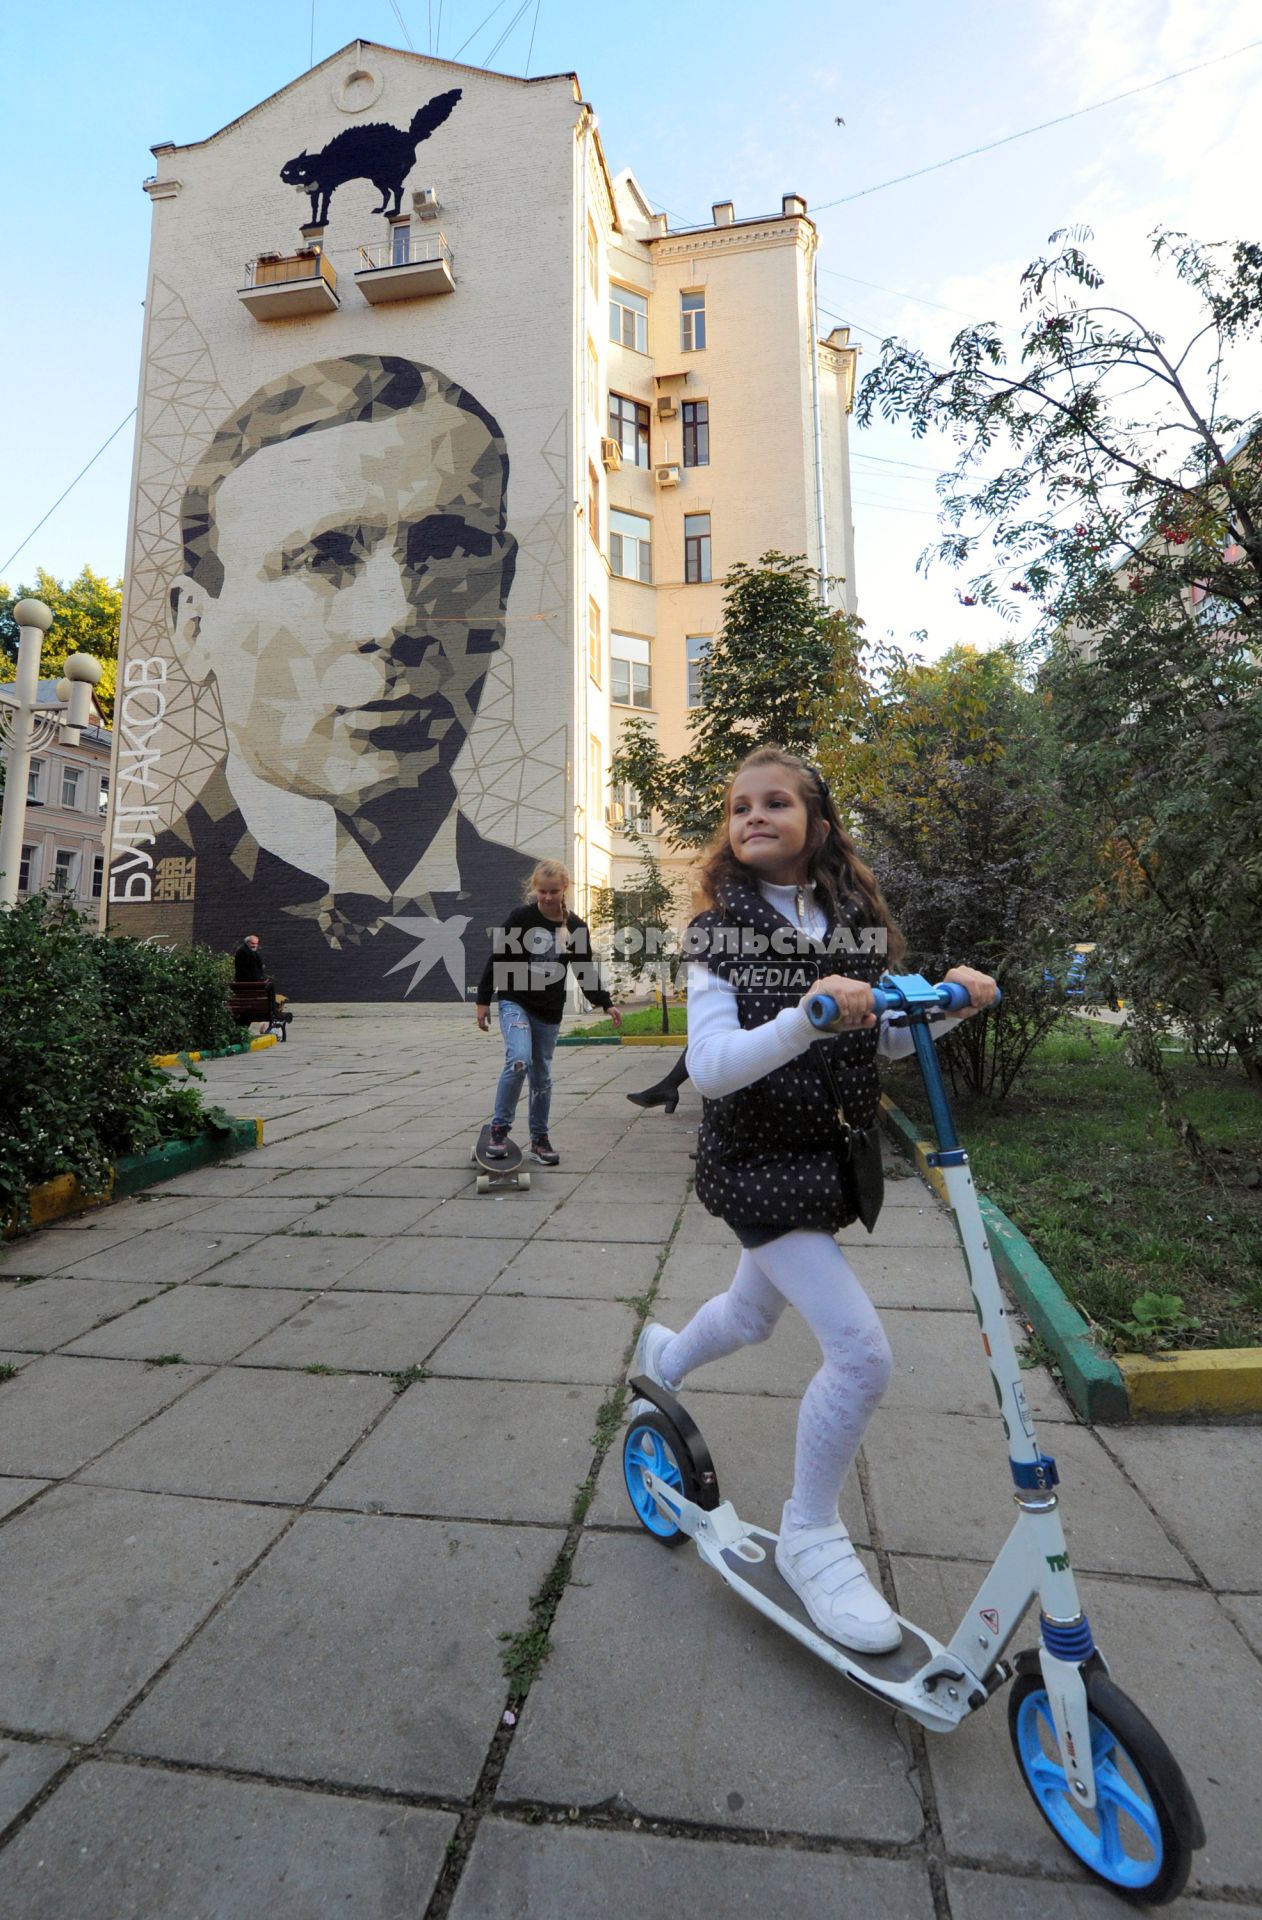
(623, 1040)
(213, 1053)
(1202, 1381)
(1092, 1380)
(54, 1199)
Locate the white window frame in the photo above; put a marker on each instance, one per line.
(34, 780)
(74, 777)
(632, 651)
(400, 243)
(636, 817)
(697, 647)
(70, 857)
(692, 321)
(638, 564)
(624, 430)
(705, 554)
(632, 316)
(29, 859)
(98, 875)
(103, 799)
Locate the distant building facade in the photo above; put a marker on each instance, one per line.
(438, 471)
(67, 796)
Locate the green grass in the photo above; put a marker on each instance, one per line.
(1080, 1160)
(644, 1020)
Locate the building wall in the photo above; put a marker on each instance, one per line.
(330, 732)
(249, 782)
(53, 828)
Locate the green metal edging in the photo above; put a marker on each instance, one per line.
(1093, 1381)
(136, 1170)
(589, 1040)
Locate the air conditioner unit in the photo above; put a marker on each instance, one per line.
(611, 454)
(425, 203)
(614, 814)
(666, 476)
(666, 408)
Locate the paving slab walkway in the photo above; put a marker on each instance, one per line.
(296, 1452)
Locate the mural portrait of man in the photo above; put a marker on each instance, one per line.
(346, 572)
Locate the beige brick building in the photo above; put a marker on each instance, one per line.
(444, 445)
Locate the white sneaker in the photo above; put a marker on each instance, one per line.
(648, 1351)
(823, 1569)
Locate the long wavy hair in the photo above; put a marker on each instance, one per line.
(834, 866)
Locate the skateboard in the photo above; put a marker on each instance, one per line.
(505, 1171)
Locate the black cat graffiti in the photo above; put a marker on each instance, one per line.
(377, 152)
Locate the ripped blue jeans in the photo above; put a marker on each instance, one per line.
(528, 1047)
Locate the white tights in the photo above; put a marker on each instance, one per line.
(810, 1272)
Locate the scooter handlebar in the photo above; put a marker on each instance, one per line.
(822, 1010)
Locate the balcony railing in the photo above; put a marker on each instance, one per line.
(407, 266)
(280, 284)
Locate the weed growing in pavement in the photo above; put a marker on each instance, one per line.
(407, 1377)
(166, 1360)
(7, 1372)
(525, 1652)
(318, 1366)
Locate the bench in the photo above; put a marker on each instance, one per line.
(250, 1000)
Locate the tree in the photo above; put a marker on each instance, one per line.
(1105, 479)
(780, 663)
(642, 917)
(954, 788)
(86, 613)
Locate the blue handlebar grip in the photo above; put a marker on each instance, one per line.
(953, 996)
(821, 1011)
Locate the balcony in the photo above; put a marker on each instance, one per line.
(407, 266)
(280, 285)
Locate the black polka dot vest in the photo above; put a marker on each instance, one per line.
(767, 1155)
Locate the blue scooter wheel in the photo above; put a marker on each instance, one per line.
(1129, 1839)
(653, 1446)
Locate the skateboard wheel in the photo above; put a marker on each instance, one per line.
(523, 1181)
(484, 1183)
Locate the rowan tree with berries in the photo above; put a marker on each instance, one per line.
(1114, 476)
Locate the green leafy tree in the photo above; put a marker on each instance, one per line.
(953, 782)
(642, 918)
(1106, 477)
(86, 613)
(776, 672)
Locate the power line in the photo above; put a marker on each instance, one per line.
(900, 293)
(70, 489)
(885, 506)
(394, 4)
(533, 25)
(508, 29)
(886, 460)
(438, 36)
(477, 30)
(1025, 132)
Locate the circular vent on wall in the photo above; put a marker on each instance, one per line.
(359, 88)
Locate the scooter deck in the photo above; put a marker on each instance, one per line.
(764, 1576)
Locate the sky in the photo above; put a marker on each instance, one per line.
(716, 100)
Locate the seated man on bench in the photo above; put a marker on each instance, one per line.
(254, 995)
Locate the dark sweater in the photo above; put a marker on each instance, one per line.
(249, 963)
(526, 968)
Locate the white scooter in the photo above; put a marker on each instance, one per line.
(1099, 1773)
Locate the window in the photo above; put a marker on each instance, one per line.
(98, 874)
(594, 649)
(696, 547)
(696, 433)
(593, 381)
(34, 780)
(400, 243)
(595, 774)
(630, 815)
(629, 426)
(630, 548)
(630, 671)
(103, 803)
(65, 870)
(71, 783)
(26, 870)
(593, 503)
(629, 319)
(593, 256)
(692, 322)
(698, 646)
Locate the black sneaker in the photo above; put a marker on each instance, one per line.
(497, 1145)
(543, 1151)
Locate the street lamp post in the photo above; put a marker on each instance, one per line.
(25, 725)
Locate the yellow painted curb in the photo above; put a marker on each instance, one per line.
(1213, 1380)
(921, 1151)
(61, 1195)
(174, 1059)
(654, 1039)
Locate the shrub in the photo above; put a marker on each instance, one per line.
(80, 1014)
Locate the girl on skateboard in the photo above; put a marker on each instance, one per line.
(794, 912)
(526, 974)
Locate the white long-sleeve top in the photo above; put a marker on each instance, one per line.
(724, 1056)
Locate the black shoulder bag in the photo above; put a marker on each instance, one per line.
(859, 1156)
